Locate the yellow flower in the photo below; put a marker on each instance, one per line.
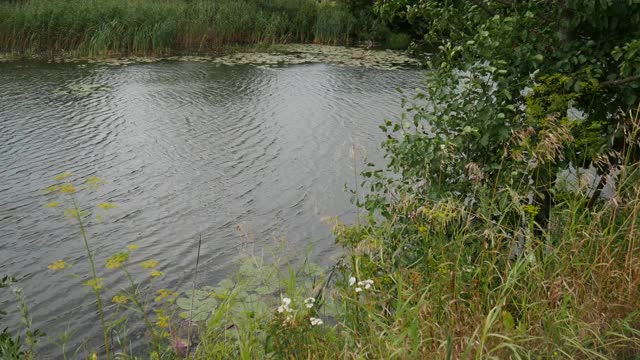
(52, 188)
(62, 176)
(149, 264)
(94, 356)
(116, 260)
(165, 293)
(133, 247)
(163, 320)
(53, 204)
(120, 299)
(74, 213)
(107, 206)
(58, 265)
(94, 180)
(156, 273)
(67, 188)
(96, 284)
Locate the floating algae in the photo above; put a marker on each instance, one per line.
(309, 54)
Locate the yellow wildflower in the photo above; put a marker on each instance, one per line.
(94, 356)
(163, 320)
(120, 299)
(67, 188)
(74, 213)
(52, 188)
(62, 176)
(149, 264)
(94, 180)
(165, 293)
(53, 204)
(96, 284)
(133, 247)
(156, 273)
(107, 206)
(58, 265)
(116, 260)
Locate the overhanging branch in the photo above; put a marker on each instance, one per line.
(620, 81)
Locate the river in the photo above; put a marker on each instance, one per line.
(186, 149)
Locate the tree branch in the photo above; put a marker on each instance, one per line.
(620, 81)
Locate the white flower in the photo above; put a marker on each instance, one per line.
(285, 305)
(315, 321)
(358, 289)
(308, 302)
(366, 283)
(352, 281)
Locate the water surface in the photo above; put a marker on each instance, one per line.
(187, 149)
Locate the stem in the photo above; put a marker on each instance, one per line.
(193, 291)
(141, 308)
(96, 290)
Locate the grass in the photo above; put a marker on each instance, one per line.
(145, 27)
(437, 280)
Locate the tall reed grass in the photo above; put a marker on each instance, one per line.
(145, 27)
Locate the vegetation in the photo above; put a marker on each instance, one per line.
(505, 224)
(158, 27)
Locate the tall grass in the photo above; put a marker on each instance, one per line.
(148, 27)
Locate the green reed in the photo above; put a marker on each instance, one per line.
(145, 27)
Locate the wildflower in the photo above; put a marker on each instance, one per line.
(94, 182)
(308, 302)
(52, 188)
(96, 284)
(62, 176)
(149, 264)
(163, 320)
(58, 265)
(133, 247)
(285, 305)
(165, 293)
(53, 204)
(366, 283)
(74, 213)
(116, 260)
(358, 289)
(352, 281)
(120, 299)
(67, 188)
(94, 356)
(107, 206)
(156, 273)
(315, 321)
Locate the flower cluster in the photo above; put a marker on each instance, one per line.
(116, 260)
(308, 302)
(366, 284)
(315, 321)
(58, 265)
(149, 264)
(285, 306)
(120, 299)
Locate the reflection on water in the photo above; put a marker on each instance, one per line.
(187, 149)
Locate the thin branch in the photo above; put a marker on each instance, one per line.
(620, 81)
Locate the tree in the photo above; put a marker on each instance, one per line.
(520, 90)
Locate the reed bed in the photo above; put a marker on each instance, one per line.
(144, 27)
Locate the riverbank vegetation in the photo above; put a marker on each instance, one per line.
(504, 225)
(144, 27)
